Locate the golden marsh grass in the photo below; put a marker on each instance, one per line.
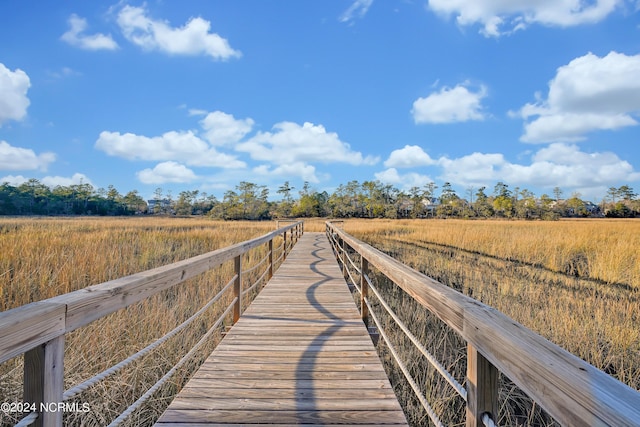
(44, 257)
(575, 282)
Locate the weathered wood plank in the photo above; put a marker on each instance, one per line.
(26, 327)
(299, 354)
(568, 388)
(289, 393)
(294, 417)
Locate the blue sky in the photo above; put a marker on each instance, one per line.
(201, 95)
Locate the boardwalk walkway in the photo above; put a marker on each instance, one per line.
(299, 355)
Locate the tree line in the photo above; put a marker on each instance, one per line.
(369, 199)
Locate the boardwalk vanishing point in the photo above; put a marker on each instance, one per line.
(299, 355)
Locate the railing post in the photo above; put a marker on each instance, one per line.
(44, 381)
(482, 388)
(237, 289)
(344, 257)
(284, 246)
(364, 289)
(270, 274)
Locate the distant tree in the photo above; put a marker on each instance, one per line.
(575, 206)
(502, 201)
(482, 206)
(557, 193)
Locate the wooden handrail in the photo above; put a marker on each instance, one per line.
(37, 329)
(568, 388)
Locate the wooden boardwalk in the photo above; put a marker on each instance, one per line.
(299, 355)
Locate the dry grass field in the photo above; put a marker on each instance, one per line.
(44, 257)
(575, 282)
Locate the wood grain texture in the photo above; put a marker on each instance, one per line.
(574, 392)
(299, 355)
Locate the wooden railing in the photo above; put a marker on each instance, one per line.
(38, 330)
(572, 391)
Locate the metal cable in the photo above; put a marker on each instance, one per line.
(28, 420)
(73, 392)
(249, 270)
(434, 362)
(487, 420)
(257, 282)
(123, 416)
(405, 371)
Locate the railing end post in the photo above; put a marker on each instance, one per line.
(44, 380)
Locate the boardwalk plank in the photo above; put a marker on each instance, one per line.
(298, 355)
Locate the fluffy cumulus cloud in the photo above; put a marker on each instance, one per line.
(16, 158)
(449, 105)
(557, 164)
(291, 143)
(75, 36)
(166, 172)
(410, 156)
(305, 171)
(76, 179)
(590, 93)
(498, 17)
(222, 129)
(194, 38)
(358, 9)
(404, 181)
(184, 147)
(13, 94)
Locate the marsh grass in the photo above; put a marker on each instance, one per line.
(574, 282)
(42, 258)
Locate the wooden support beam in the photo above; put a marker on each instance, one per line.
(364, 289)
(237, 289)
(44, 381)
(482, 388)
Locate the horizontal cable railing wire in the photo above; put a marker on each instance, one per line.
(258, 264)
(40, 327)
(256, 283)
(569, 389)
(142, 399)
(414, 386)
(28, 420)
(73, 392)
(459, 388)
(487, 420)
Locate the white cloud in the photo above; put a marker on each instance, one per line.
(358, 8)
(222, 128)
(309, 143)
(303, 170)
(16, 158)
(13, 94)
(408, 157)
(76, 179)
(499, 17)
(450, 105)
(559, 164)
(177, 146)
(193, 38)
(474, 169)
(166, 172)
(49, 181)
(403, 181)
(89, 42)
(588, 94)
